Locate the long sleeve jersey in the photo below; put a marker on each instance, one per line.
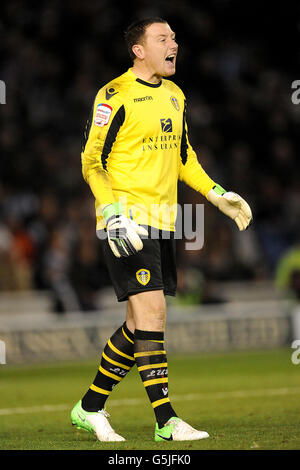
(136, 141)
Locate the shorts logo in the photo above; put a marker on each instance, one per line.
(103, 113)
(143, 276)
(174, 102)
(166, 125)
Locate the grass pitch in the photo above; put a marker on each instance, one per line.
(245, 400)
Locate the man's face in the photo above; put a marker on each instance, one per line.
(160, 49)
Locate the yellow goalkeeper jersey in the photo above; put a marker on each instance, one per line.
(136, 141)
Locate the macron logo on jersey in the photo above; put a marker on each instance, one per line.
(143, 98)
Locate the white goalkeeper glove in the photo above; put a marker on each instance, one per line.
(123, 233)
(231, 204)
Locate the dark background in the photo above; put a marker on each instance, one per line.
(236, 64)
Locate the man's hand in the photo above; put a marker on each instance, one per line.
(123, 234)
(231, 204)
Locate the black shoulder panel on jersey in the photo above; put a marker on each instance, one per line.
(87, 129)
(183, 146)
(112, 134)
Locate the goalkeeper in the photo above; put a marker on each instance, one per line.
(135, 152)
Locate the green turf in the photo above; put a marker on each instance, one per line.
(245, 400)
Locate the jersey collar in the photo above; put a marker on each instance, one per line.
(143, 82)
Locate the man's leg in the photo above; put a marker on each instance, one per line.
(149, 313)
(117, 360)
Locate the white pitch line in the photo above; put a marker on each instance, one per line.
(138, 401)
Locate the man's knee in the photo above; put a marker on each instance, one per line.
(149, 310)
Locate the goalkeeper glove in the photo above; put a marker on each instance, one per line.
(123, 233)
(231, 204)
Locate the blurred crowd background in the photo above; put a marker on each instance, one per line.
(236, 64)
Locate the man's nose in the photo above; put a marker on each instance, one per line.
(174, 45)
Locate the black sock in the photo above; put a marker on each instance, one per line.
(151, 361)
(117, 360)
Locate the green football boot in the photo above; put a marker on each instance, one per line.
(177, 430)
(95, 423)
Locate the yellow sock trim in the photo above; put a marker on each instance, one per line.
(155, 381)
(149, 353)
(160, 402)
(109, 374)
(130, 340)
(119, 352)
(153, 366)
(115, 363)
(100, 390)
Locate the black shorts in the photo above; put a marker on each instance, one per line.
(152, 268)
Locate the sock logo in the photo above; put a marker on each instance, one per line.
(143, 276)
(118, 371)
(165, 391)
(157, 373)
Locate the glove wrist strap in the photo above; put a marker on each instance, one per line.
(112, 210)
(219, 190)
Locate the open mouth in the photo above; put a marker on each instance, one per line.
(171, 58)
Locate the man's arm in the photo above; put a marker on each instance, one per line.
(192, 173)
(101, 132)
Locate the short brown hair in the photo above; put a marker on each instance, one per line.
(136, 31)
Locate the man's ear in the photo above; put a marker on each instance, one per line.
(138, 50)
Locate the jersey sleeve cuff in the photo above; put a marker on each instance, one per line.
(112, 210)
